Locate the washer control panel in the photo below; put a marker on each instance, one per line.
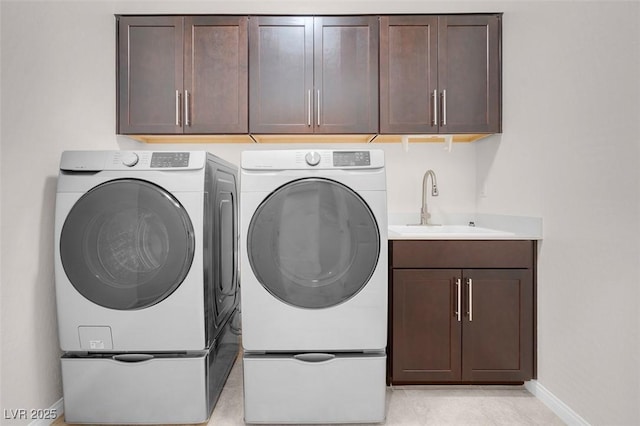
(130, 160)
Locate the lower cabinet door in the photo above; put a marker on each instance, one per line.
(465, 326)
(426, 331)
(497, 335)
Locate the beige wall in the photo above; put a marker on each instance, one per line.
(569, 153)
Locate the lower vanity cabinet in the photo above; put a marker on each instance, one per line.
(461, 311)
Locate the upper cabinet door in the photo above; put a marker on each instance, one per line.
(313, 75)
(281, 73)
(469, 73)
(440, 74)
(409, 74)
(215, 74)
(150, 74)
(182, 74)
(346, 74)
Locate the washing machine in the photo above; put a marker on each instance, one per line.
(146, 271)
(145, 250)
(314, 285)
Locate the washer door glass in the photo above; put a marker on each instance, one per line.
(313, 243)
(127, 244)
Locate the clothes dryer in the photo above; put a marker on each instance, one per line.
(314, 252)
(145, 250)
(314, 285)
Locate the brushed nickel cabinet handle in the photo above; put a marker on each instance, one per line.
(459, 299)
(470, 283)
(187, 112)
(318, 108)
(435, 108)
(444, 107)
(178, 108)
(309, 108)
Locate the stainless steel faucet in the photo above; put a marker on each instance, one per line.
(425, 216)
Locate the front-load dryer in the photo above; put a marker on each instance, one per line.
(314, 250)
(314, 285)
(145, 250)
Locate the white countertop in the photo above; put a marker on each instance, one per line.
(484, 227)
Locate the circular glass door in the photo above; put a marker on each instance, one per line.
(127, 244)
(313, 243)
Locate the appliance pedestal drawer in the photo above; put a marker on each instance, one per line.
(314, 388)
(147, 388)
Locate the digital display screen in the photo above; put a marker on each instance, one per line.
(169, 159)
(351, 158)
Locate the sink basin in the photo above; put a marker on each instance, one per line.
(430, 231)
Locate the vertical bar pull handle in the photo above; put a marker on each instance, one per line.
(187, 112)
(318, 108)
(178, 108)
(444, 107)
(459, 299)
(435, 108)
(309, 108)
(470, 283)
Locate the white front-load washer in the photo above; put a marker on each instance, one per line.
(145, 250)
(314, 285)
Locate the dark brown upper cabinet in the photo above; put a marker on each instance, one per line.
(440, 74)
(313, 74)
(182, 74)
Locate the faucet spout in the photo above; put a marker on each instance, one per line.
(425, 216)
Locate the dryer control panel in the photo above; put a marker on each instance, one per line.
(325, 159)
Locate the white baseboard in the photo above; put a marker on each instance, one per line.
(57, 408)
(556, 405)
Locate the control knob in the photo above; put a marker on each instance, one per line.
(312, 158)
(129, 159)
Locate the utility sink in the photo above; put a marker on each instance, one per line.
(446, 231)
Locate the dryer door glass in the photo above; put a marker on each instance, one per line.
(127, 244)
(313, 243)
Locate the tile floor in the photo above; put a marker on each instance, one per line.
(421, 405)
